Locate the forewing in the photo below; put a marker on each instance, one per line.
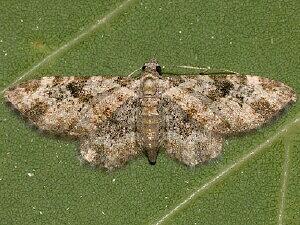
(73, 106)
(228, 104)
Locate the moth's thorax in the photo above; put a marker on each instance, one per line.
(149, 122)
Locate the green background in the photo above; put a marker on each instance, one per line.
(41, 179)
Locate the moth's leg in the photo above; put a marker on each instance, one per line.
(197, 147)
(100, 151)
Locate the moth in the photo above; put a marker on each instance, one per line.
(117, 118)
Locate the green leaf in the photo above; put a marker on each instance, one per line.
(255, 180)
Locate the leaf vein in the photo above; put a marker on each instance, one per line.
(284, 184)
(71, 42)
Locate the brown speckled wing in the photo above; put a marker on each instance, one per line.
(227, 104)
(74, 106)
(185, 139)
(116, 140)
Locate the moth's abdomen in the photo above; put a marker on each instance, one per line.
(149, 119)
(150, 123)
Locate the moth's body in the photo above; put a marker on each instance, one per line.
(148, 121)
(117, 118)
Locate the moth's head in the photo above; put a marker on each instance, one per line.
(152, 67)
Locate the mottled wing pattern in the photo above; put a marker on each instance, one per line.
(185, 139)
(197, 112)
(227, 104)
(99, 111)
(116, 140)
(200, 110)
(72, 106)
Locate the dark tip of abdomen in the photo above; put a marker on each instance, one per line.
(152, 162)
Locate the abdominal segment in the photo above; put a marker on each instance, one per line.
(150, 131)
(148, 123)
